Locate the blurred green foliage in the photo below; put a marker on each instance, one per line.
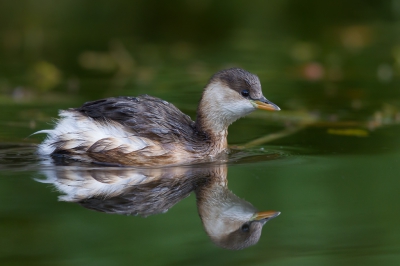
(329, 61)
(71, 46)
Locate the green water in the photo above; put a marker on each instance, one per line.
(329, 161)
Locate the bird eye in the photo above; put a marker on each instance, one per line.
(245, 227)
(245, 93)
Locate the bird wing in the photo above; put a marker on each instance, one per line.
(144, 116)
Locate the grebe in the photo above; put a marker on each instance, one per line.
(147, 131)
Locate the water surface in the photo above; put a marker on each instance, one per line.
(329, 161)
(338, 196)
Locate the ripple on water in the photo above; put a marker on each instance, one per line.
(18, 156)
(23, 157)
(264, 154)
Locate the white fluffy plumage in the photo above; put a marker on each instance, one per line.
(74, 130)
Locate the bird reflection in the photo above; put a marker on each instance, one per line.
(229, 221)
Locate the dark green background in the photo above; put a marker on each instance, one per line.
(335, 62)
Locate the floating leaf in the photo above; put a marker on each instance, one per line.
(349, 132)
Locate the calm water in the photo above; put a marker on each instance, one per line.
(338, 196)
(329, 161)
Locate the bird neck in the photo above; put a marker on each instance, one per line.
(212, 118)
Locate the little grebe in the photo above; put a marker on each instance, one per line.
(147, 131)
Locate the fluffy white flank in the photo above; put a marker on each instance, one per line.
(75, 130)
